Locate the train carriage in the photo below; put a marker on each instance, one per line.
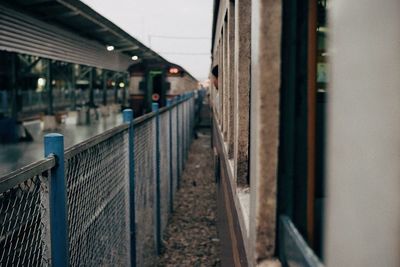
(304, 128)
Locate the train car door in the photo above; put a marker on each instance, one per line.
(156, 88)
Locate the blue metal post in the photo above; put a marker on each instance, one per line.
(171, 174)
(128, 118)
(54, 145)
(154, 108)
(127, 115)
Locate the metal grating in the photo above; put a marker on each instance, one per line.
(98, 204)
(24, 223)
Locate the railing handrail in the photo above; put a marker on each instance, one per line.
(16, 177)
(92, 141)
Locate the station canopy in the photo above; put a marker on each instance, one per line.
(79, 19)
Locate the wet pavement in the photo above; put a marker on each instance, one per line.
(15, 156)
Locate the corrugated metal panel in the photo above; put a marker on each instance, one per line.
(24, 34)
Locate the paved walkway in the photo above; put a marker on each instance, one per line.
(191, 236)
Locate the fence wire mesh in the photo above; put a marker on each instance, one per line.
(145, 175)
(187, 134)
(24, 223)
(183, 134)
(164, 168)
(98, 204)
(174, 154)
(181, 139)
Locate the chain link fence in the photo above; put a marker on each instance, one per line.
(164, 166)
(145, 172)
(116, 211)
(24, 216)
(174, 150)
(98, 204)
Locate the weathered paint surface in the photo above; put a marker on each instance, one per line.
(266, 45)
(242, 89)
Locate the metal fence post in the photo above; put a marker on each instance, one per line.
(54, 145)
(128, 118)
(154, 108)
(171, 174)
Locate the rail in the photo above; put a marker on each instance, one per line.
(116, 190)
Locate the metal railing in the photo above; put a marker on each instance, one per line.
(102, 202)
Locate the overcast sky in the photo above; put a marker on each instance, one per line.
(179, 30)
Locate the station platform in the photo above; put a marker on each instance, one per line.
(16, 155)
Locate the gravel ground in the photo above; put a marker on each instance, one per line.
(191, 237)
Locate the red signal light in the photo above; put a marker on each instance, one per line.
(173, 70)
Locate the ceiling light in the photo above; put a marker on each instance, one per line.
(110, 48)
(134, 58)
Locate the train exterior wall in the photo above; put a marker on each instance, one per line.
(241, 132)
(357, 204)
(134, 85)
(180, 84)
(363, 211)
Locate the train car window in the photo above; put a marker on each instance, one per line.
(302, 117)
(322, 79)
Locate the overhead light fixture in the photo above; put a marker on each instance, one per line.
(110, 48)
(134, 58)
(121, 84)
